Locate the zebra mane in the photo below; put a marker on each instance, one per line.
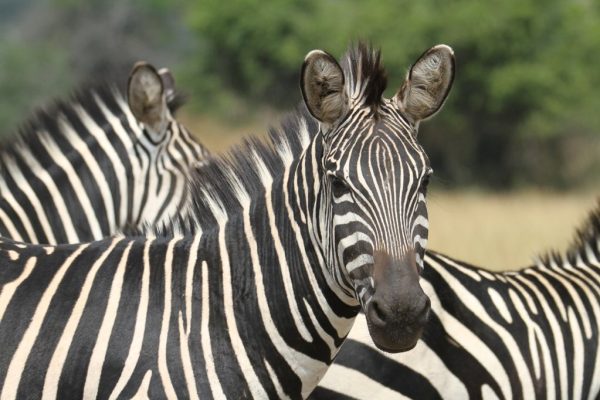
(46, 118)
(366, 78)
(220, 186)
(177, 226)
(587, 238)
(226, 182)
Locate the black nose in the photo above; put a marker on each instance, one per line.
(396, 329)
(416, 311)
(398, 309)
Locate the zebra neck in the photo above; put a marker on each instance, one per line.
(313, 212)
(161, 186)
(85, 170)
(275, 286)
(265, 223)
(80, 159)
(562, 281)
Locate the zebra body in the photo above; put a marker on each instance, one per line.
(528, 334)
(252, 295)
(186, 323)
(90, 166)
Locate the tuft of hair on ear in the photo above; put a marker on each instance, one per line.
(427, 83)
(322, 84)
(175, 99)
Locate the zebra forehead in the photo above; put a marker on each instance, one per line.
(366, 125)
(379, 151)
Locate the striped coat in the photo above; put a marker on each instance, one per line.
(253, 294)
(534, 333)
(95, 164)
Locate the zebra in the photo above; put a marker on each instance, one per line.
(253, 293)
(528, 334)
(98, 163)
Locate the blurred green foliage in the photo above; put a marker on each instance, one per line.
(23, 78)
(48, 47)
(525, 99)
(524, 109)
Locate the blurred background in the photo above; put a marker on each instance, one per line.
(516, 150)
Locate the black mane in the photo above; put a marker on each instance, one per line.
(218, 182)
(363, 64)
(587, 237)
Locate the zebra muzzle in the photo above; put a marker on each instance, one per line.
(398, 310)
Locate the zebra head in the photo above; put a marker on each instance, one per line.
(374, 179)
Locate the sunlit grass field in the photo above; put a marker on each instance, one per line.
(498, 231)
(504, 230)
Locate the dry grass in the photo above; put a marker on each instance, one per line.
(218, 135)
(504, 231)
(497, 231)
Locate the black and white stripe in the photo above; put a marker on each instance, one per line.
(88, 168)
(251, 296)
(529, 334)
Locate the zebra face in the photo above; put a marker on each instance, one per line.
(378, 184)
(374, 180)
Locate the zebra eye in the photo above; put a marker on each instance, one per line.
(425, 182)
(338, 185)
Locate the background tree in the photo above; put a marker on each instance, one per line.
(525, 100)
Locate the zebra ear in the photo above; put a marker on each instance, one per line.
(146, 96)
(427, 84)
(322, 83)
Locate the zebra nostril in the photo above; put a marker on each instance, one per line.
(377, 315)
(423, 310)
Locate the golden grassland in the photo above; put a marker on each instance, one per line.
(500, 231)
(503, 231)
(218, 135)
